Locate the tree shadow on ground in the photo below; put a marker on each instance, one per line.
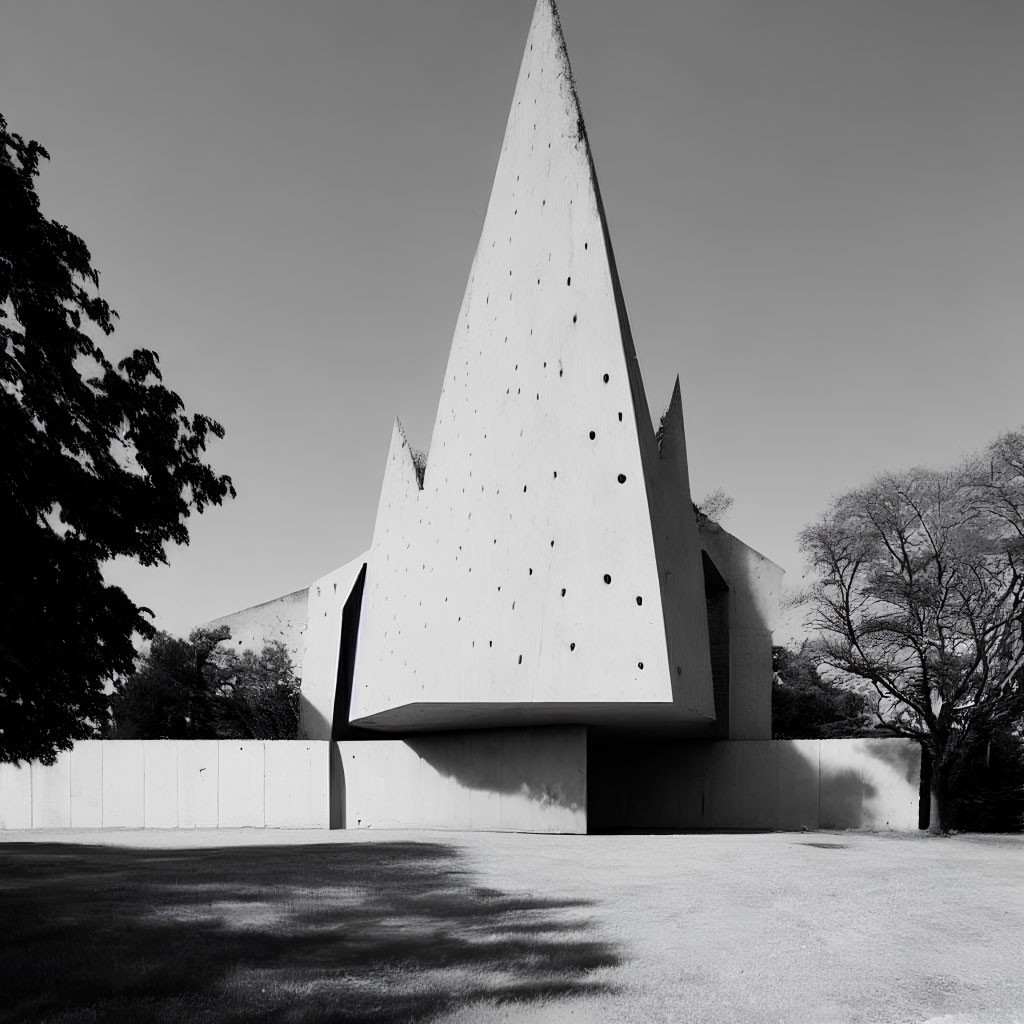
(336, 932)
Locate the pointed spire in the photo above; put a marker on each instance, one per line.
(671, 433)
(526, 572)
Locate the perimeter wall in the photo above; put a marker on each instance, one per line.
(754, 784)
(520, 780)
(544, 779)
(171, 784)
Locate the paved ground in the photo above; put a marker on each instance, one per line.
(478, 928)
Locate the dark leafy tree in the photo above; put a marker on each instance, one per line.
(988, 790)
(920, 592)
(258, 695)
(172, 694)
(99, 461)
(196, 689)
(806, 706)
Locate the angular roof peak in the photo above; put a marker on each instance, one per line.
(529, 570)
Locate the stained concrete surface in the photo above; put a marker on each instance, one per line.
(283, 619)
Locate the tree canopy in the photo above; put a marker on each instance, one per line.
(257, 694)
(920, 592)
(196, 689)
(807, 707)
(99, 461)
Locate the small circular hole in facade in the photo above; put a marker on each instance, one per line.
(639, 599)
(592, 435)
(607, 578)
(622, 478)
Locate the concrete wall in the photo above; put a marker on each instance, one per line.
(753, 603)
(680, 566)
(524, 780)
(282, 619)
(530, 779)
(320, 662)
(172, 784)
(756, 784)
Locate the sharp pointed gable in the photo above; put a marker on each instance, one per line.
(526, 572)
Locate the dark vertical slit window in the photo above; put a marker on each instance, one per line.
(340, 728)
(716, 596)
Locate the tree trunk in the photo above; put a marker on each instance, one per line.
(941, 816)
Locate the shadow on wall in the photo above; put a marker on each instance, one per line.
(312, 723)
(753, 785)
(531, 779)
(533, 763)
(741, 590)
(847, 792)
(355, 932)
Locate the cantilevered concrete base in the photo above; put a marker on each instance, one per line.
(663, 716)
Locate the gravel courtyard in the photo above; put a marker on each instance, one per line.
(465, 928)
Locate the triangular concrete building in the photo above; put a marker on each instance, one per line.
(544, 566)
(540, 564)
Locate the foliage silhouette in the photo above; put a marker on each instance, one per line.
(170, 694)
(192, 689)
(99, 461)
(257, 694)
(988, 790)
(807, 707)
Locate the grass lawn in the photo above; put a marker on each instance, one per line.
(479, 928)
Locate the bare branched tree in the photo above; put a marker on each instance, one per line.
(714, 506)
(920, 591)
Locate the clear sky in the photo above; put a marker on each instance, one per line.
(816, 206)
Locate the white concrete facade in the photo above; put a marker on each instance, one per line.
(283, 619)
(321, 653)
(523, 780)
(754, 586)
(172, 784)
(545, 566)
